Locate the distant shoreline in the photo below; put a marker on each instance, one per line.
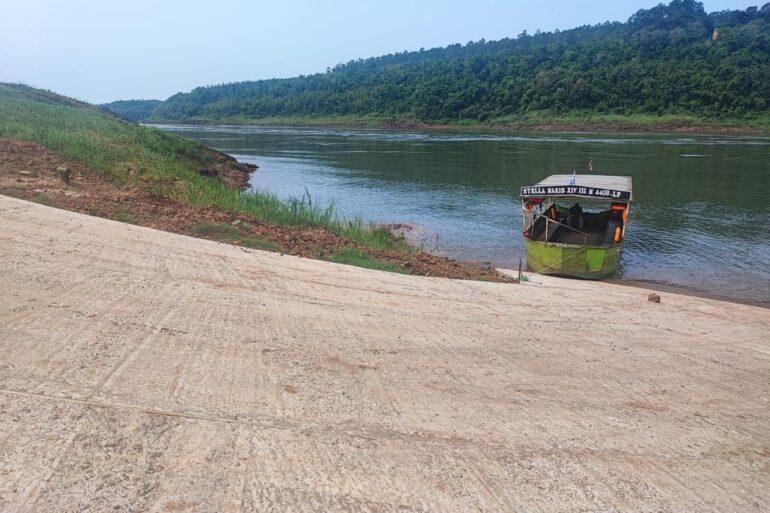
(601, 125)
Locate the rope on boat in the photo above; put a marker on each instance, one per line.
(549, 220)
(560, 261)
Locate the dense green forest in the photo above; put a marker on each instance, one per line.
(673, 59)
(133, 110)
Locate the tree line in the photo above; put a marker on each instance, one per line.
(133, 110)
(670, 59)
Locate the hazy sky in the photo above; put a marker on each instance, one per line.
(103, 50)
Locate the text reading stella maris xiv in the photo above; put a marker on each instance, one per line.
(574, 191)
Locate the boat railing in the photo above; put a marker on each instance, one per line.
(549, 220)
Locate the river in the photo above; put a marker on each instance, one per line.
(700, 219)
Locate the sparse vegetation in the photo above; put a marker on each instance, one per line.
(124, 215)
(234, 234)
(41, 198)
(352, 256)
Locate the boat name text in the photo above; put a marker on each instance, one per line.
(571, 190)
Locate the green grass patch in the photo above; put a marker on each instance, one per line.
(352, 256)
(234, 234)
(41, 198)
(294, 211)
(124, 215)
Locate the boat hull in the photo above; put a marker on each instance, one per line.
(587, 262)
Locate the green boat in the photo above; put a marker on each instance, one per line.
(565, 238)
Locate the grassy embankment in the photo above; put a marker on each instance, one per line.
(165, 164)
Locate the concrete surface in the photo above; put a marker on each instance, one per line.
(146, 371)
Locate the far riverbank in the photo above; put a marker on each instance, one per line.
(577, 123)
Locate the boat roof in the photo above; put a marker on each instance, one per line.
(612, 187)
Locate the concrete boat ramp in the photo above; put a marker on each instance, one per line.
(147, 371)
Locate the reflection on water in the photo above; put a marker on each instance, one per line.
(701, 216)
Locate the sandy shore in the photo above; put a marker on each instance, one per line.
(148, 371)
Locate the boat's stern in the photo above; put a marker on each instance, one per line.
(587, 262)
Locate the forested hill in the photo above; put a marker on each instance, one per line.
(134, 110)
(671, 59)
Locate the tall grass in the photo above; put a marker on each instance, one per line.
(165, 163)
(294, 211)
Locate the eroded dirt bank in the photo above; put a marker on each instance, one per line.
(146, 371)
